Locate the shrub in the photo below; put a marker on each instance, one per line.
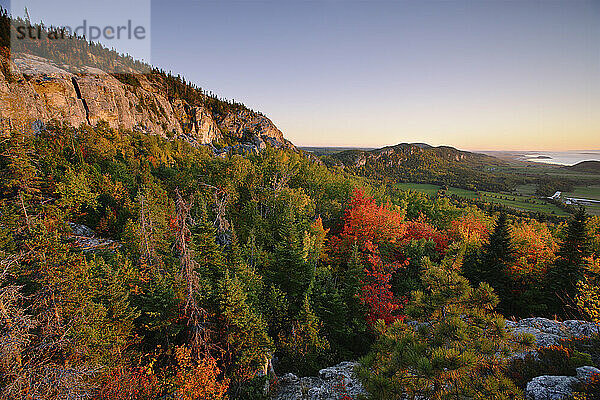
(551, 360)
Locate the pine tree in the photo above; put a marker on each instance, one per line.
(451, 346)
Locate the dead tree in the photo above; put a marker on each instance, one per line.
(145, 231)
(221, 224)
(197, 316)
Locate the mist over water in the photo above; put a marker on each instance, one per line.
(562, 157)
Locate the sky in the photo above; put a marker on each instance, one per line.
(477, 75)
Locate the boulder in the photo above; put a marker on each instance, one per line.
(548, 332)
(331, 384)
(550, 387)
(584, 373)
(84, 239)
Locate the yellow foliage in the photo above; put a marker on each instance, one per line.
(198, 381)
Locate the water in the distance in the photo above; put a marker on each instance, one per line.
(562, 157)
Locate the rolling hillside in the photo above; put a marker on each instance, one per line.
(422, 163)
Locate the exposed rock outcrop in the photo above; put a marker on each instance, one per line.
(84, 239)
(548, 332)
(331, 384)
(548, 387)
(40, 90)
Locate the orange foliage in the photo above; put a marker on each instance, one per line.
(366, 221)
(469, 228)
(416, 230)
(368, 225)
(535, 248)
(130, 384)
(198, 381)
(376, 290)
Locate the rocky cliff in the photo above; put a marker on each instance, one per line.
(39, 90)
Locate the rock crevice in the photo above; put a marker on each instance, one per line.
(40, 90)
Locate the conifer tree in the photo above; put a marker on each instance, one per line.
(452, 345)
(304, 348)
(290, 270)
(493, 263)
(245, 332)
(569, 267)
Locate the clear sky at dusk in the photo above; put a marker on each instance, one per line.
(475, 75)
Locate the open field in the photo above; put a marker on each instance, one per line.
(587, 192)
(468, 194)
(525, 203)
(433, 189)
(526, 190)
(523, 200)
(593, 210)
(419, 187)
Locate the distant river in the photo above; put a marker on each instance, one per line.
(562, 157)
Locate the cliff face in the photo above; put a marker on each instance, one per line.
(39, 90)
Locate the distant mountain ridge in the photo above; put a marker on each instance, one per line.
(592, 167)
(421, 162)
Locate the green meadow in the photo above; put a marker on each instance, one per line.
(523, 199)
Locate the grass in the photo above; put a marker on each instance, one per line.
(522, 200)
(419, 187)
(525, 203)
(593, 210)
(586, 192)
(526, 190)
(468, 194)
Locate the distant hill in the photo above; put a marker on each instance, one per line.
(592, 167)
(420, 162)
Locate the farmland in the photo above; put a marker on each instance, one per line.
(523, 199)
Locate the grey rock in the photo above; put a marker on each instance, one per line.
(80, 230)
(550, 387)
(84, 239)
(331, 383)
(40, 90)
(584, 373)
(548, 332)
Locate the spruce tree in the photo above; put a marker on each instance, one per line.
(494, 260)
(244, 330)
(569, 267)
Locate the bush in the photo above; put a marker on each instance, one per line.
(590, 390)
(551, 360)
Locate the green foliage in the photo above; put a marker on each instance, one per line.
(569, 267)
(76, 191)
(493, 263)
(552, 360)
(451, 345)
(304, 350)
(261, 265)
(245, 332)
